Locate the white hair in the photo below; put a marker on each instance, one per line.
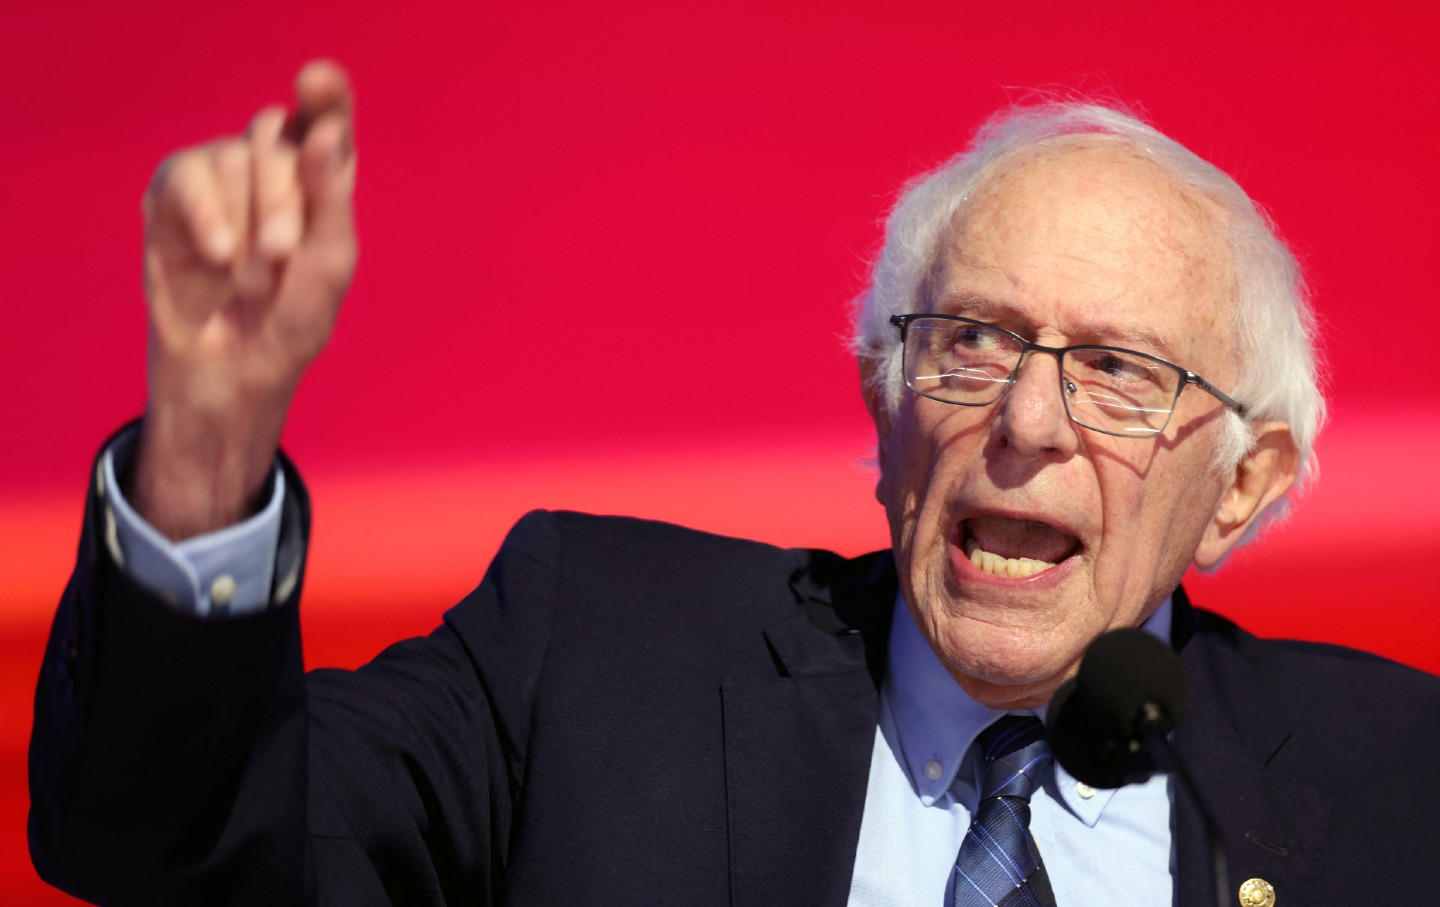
(1273, 322)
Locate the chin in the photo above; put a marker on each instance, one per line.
(1004, 667)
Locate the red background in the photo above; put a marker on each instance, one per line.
(681, 199)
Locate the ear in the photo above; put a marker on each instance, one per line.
(1259, 480)
(874, 392)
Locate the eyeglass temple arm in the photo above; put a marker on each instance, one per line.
(1232, 403)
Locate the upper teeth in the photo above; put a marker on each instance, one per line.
(1007, 566)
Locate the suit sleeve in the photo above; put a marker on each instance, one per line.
(183, 761)
(193, 574)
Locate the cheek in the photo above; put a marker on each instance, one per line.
(919, 460)
(904, 456)
(906, 476)
(1154, 520)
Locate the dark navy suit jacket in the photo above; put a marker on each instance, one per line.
(631, 713)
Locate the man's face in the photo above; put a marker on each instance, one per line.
(1083, 243)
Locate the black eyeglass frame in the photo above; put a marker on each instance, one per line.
(1187, 377)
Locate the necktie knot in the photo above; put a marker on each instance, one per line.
(1015, 754)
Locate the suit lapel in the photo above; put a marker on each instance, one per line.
(798, 745)
(1233, 741)
(798, 742)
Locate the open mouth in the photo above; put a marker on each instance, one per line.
(1003, 546)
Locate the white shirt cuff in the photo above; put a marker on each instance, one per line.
(226, 572)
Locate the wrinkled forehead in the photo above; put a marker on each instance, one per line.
(1085, 234)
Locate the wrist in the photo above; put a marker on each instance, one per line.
(197, 472)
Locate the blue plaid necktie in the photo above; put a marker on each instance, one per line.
(999, 865)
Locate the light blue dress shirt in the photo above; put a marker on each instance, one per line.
(1100, 847)
(228, 571)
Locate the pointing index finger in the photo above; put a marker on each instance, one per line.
(321, 88)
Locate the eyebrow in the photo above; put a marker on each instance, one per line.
(985, 308)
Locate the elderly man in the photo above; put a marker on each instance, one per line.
(1088, 361)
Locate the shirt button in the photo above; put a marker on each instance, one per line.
(112, 538)
(933, 770)
(222, 590)
(287, 584)
(1084, 790)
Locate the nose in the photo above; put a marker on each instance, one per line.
(1032, 419)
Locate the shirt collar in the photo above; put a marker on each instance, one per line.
(935, 721)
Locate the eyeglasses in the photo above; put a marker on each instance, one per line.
(1106, 389)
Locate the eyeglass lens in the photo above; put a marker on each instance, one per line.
(972, 364)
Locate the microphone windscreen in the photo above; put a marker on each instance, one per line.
(1126, 670)
(1129, 683)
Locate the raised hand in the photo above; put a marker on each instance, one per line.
(249, 248)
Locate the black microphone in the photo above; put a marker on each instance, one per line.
(1130, 686)
(1108, 725)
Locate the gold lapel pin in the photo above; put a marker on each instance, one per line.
(1257, 893)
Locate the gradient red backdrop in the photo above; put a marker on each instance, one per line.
(680, 198)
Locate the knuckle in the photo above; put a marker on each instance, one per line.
(162, 175)
(232, 159)
(177, 172)
(267, 124)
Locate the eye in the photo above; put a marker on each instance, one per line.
(1118, 368)
(976, 337)
(1114, 366)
